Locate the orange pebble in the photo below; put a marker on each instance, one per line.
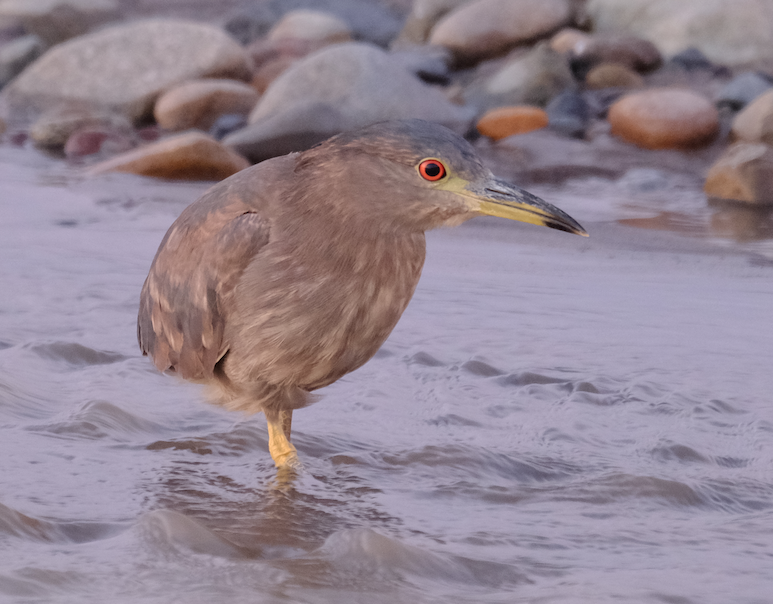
(506, 121)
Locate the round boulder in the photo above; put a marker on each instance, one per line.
(486, 28)
(198, 103)
(505, 121)
(124, 68)
(743, 173)
(188, 156)
(664, 118)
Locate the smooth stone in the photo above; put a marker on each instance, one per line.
(57, 20)
(422, 18)
(90, 141)
(743, 173)
(636, 54)
(188, 156)
(272, 57)
(613, 75)
(359, 84)
(692, 59)
(432, 64)
(54, 127)
(569, 113)
(311, 25)
(487, 28)
(570, 41)
(533, 78)
(125, 67)
(742, 90)
(728, 33)
(505, 121)
(754, 123)
(17, 54)
(664, 118)
(225, 124)
(198, 103)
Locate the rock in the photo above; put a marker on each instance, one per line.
(664, 118)
(613, 75)
(743, 173)
(124, 68)
(692, 59)
(89, 141)
(569, 114)
(57, 20)
(311, 25)
(570, 41)
(16, 55)
(431, 64)
(755, 123)
(369, 20)
(729, 33)
(634, 53)
(742, 90)
(487, 28)
(422, 18)
(339, 88)
(189, 156)
(505, 121)
(198, 103)
(225, 124)
(530, 79)
(53, 128)
(271, 57)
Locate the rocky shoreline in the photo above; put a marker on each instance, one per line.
(549, 90)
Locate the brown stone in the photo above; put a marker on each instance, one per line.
(570, 41)
(743, 173)
(188, 156)
(506, 121)
(198, 103)
(755, 122)
(664, 118)
(486, 28)
(613, 75)
(635, 53)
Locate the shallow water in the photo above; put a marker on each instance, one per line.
(555, 419)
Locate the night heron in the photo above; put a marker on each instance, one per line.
(292, 273)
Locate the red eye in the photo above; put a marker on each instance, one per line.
(432, 169)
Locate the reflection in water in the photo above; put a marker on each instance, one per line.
(552, 421)
(741, 222)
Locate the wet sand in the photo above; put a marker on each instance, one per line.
(555, 419)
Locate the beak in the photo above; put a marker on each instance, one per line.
(498, 198)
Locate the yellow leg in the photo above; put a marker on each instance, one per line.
(282, 450)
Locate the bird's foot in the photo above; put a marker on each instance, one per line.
(282, 450)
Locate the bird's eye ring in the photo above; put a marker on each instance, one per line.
(432, 169)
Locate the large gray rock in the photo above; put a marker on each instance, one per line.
(123, 68)
(58, 20)
(728, 33)
(339, 88)
(486, 28)
(530, 79)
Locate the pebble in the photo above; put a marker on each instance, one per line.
(570, 41)
(187, 156)
(124, 67)
(54, 21)
(198, 103)
(569, 113)
(89, 141)
(634, 53)
(311, 25)
(742, 90)
(422, 18)
(613, 75)
(225, 124)
(487, 28)
(272, 57)
(755, 122)
(530, 79)
(17, 54)
(743, 173)
(664, 118)
(505, 121)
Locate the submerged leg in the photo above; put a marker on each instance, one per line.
(282, 450)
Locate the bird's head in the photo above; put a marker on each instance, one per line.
(422, 175)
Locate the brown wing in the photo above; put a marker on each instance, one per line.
(186, 299)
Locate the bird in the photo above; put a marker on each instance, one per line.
(291, 273)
